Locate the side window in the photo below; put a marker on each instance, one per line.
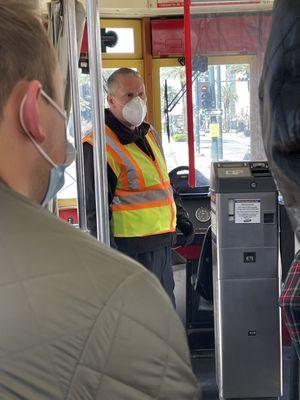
(125, 43)
(221, 115)
(129, 42)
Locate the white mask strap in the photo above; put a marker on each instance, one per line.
(39, 148)
(54, 105)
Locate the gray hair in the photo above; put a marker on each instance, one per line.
(112, 80)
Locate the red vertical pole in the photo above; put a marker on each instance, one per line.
(189, 90)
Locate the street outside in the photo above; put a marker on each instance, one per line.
(236, 147)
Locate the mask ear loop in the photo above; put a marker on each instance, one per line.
(63, 114)
(38, 147)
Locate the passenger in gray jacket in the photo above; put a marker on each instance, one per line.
(77, 319)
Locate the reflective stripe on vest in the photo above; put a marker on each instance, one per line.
(142, 199)
(143, 204)
(114, 150)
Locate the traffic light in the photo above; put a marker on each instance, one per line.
(200, 63)
(205, 97)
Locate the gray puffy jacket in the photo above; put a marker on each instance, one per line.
(79, 320)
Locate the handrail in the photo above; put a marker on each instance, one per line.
(73, 71)
(189, 90)
(99, 148)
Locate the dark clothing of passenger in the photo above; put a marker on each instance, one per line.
(294, 374)
(289, 301)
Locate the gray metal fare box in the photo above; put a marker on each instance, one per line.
(246, 278)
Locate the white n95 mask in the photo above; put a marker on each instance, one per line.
(135, 111)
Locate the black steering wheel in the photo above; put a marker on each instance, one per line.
(180, 181)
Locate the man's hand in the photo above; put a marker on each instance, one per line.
(187, 228)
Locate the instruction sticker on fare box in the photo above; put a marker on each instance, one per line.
(247, 211)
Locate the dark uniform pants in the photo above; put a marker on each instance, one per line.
(294, 375)
(159, 262)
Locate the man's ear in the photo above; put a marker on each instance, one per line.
(110, 100)
(30, 115)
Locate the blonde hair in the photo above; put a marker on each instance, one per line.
(25, 50)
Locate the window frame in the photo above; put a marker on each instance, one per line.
(136, 25)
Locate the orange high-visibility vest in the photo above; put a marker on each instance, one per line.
(143, 204)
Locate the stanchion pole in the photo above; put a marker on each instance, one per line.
(73, 69)
(100, 166)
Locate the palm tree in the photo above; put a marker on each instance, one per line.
(171, 74)
(229, 97)
(239, 69)
(178, 73)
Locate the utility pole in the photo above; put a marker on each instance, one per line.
(197, 120)
(213, 128)
(219, 107)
